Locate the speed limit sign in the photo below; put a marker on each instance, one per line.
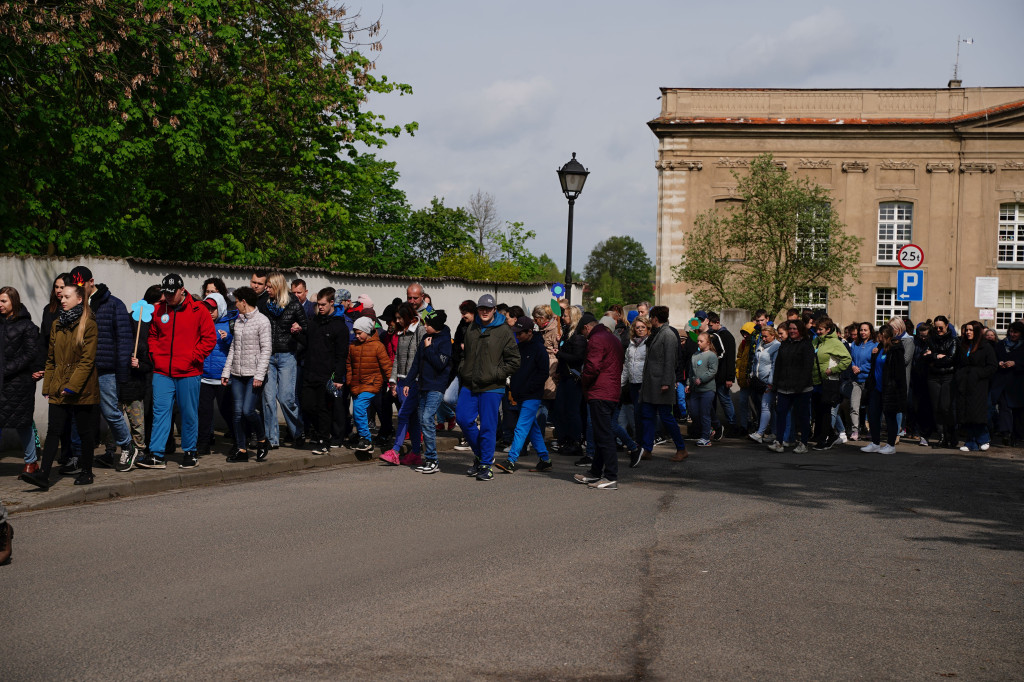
(910, 256)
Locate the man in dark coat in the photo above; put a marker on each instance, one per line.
(658, 390)
(602, 388)
(326, 355)
(114, 343)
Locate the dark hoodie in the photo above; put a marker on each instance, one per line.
(431, 366)
(528, 381)
(114, 341)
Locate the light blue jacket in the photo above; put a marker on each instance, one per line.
(764, 362)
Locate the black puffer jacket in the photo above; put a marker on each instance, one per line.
(134, 387)
(45, 327)
(18, 339)
(282, 339)
(793, 366)
(942, 345)
(894, 378)
(572, 354)
(974, 372)
(327, 352)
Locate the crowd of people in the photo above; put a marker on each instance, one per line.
(342, 375)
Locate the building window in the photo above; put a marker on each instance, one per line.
(895, 226)
(888, 306)
(815, 298)
(1011, 234)
(1010, 307)
(812, 233)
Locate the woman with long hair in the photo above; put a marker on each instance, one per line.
(551, 330)
(794, 364)
(860, 352)
(572, 353)
(762, 379)
(245, 370)
(18, 338)
(974, 372)
(886, 388)
(72, 386)
(942, 359)
(633, 366)
(288, 336)
(50, 313)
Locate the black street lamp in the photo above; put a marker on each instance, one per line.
(572, 176)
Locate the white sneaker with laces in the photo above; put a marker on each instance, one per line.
(871, 447)
(756, 437)
(983, 446)
(842, 437)
(886, 449)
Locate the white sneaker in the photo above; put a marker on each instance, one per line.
(886, 449)
(776, 447)
(923, 442)
(756, 437)
(870, 447)
(984, 447)
(964, 448)
(800, 448)
(842, 437)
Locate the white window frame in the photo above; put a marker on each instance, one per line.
(1010, 245)
(815, 298)
(888, 306)
(816, 247)
(1010, 307)
(895, 230)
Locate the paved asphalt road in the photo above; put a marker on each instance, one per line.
(737, 564)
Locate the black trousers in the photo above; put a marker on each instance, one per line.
(606, 462)
(317, 411)
(208, 395)
(341, 422)
(940, 389)
(61, 415)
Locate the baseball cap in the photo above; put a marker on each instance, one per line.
(435, 318)
(80, 275)
(701, 315)
(342, 295)
(523, 324)
(486, 301)
(171, 283)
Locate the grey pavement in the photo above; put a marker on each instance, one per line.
(738, 563)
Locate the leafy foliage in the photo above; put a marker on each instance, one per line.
(783, 236)
(226, 131)
(515, 262)
(625, 262)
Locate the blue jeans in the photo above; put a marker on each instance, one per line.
(766, 411)
(408, 416)
(681, 398)
(430, 402)
(110, 408)
(527, 428)
(648, 413)
(977, 435)
(280, 388)
(27, 435)
(796, 408)
(486, 406)
(245, 398)
(743, 411)
(703, 403)
(165, 391)
(360, 409)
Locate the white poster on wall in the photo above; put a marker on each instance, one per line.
(986, 292)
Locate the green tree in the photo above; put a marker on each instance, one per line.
(625, 260)
(608, 289)
(783, 236)
(221, 130)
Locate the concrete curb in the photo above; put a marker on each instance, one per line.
(213, 469)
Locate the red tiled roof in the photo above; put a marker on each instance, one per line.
(837, 120)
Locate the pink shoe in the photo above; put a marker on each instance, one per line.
(390, 457)
(413, 459)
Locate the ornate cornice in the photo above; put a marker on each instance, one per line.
(855, 166)
(890, 164)
(977, 167)
(1014, 165)
(814, 163)
(939, 167)
(679, 164)
(726, 162)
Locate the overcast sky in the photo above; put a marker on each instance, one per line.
(504, 92)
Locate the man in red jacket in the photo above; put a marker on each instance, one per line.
(601, 382)
(180, 337)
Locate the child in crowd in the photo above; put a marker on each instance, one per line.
(701, 385)
(410, 333)
(431, 368)
(368, 369)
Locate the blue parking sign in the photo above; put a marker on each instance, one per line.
(910, 285)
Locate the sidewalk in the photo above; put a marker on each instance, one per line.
(19, 496)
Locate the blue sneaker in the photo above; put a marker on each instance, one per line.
(484, 473)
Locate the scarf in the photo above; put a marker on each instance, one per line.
(273, 308)
(69, 318)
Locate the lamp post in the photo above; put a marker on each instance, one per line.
(572, 176)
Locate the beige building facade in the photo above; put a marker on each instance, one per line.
(939, 168)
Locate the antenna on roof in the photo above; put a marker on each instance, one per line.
(955, 82)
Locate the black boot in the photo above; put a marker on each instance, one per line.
(262, 450)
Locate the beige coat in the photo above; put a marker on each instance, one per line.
(551, 333)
